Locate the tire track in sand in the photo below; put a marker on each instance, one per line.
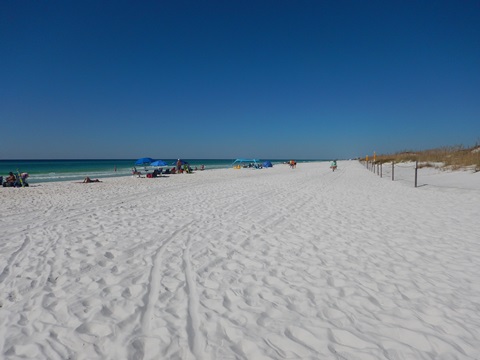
(13, 256)
(193, 321)
(153, 293)
(186, 245)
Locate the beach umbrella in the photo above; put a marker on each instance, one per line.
(143, 161)
(267, 164)
(158, 163)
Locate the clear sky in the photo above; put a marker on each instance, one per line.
(227, 79)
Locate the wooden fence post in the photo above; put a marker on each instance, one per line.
(381, 168)
(416, 169)
(393, 170)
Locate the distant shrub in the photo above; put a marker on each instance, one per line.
(453, 157)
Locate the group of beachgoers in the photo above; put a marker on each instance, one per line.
(181, 167)
(249, 166)
(20, 180)
(14, 180)
(293, 164)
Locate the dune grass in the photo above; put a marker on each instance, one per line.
(452, 157)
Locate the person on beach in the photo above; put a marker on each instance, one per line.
(10, 180)
(136, 172)
(187, 169)
(88, 180)
(179, 165)
(202, 167)
(23, 177)
(333, 165)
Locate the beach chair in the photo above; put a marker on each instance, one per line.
(24, 177)
(18, 182)
(21, 180)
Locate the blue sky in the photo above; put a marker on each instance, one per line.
(227, 79)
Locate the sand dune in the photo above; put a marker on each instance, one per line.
(241, 264)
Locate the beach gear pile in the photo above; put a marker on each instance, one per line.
(14, 180)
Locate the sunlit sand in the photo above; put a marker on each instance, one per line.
(242, 264)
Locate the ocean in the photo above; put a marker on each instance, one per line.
(73, 170)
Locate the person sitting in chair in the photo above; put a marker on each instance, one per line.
(136, 172)
(10, 180)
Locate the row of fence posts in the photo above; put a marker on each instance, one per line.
(377, 168)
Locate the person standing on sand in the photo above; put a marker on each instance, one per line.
(179, 165)
(333, 165)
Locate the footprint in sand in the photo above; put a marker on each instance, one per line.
(102, 263)
(343, 337)
(286, 348)
(306, 338)
(94, 329)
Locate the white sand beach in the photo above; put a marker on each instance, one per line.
(243, 264)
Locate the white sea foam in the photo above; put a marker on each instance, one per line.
(242, 264)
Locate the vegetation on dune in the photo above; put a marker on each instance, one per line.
(452, 157)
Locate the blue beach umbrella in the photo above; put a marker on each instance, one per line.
(267, 164)
(158, 163)
(143, 161)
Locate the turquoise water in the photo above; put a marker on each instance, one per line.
(74, 170)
